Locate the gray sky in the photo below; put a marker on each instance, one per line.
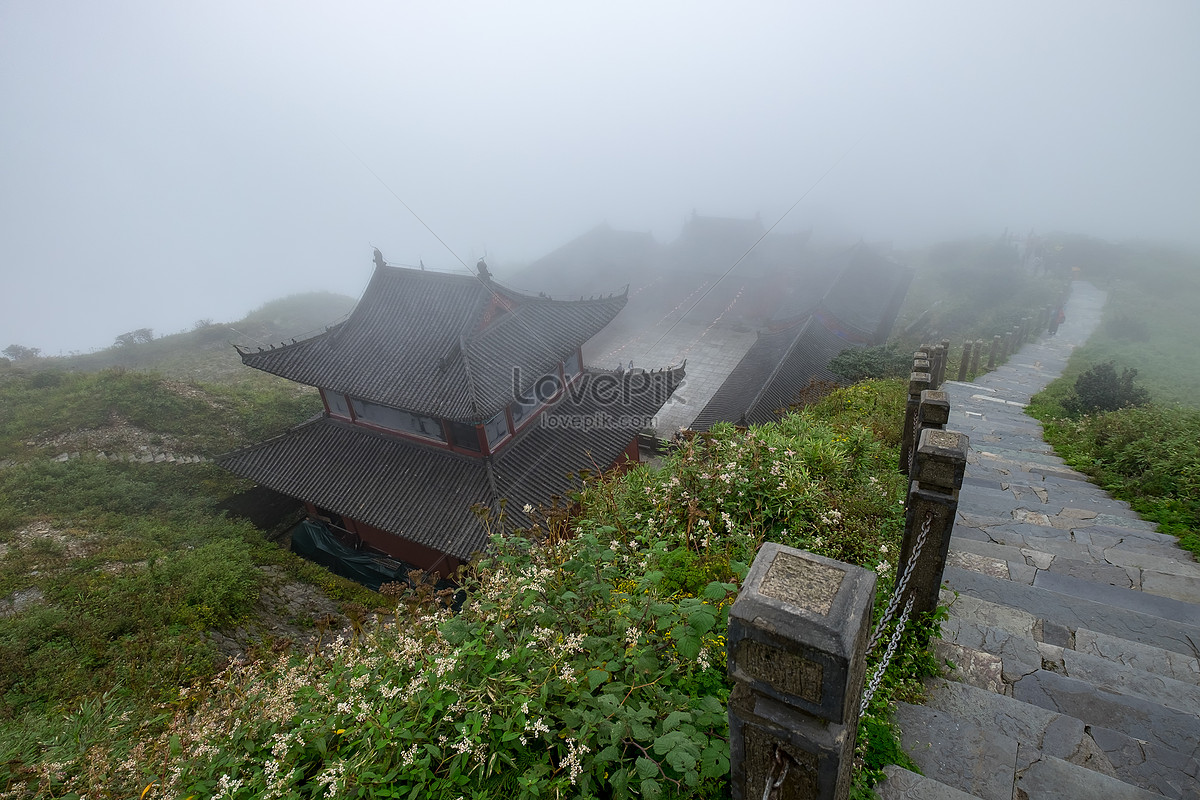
(162, 162)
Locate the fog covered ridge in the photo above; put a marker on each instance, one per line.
(163, 164)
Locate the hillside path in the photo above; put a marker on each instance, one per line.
(1074, 626)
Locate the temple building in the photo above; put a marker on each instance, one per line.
(758, 318)
(444, 392)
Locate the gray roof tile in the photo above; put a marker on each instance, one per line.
(416, 340)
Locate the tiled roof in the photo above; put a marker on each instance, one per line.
(737, 394)
(440, 344)
(859, 308)
(867, 293)
(807, 360)
(426, 494)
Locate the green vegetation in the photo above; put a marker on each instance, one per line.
(586, 657)
(892, 360)
(115, 574)
(1150, 322)
(1097, 416)
(972, 289)
(205, 352)
(72, 411)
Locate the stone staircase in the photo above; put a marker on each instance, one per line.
(1074, 627)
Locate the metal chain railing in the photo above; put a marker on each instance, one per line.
(780, 764)
(901, 585)
(916, 437)
(887, 657)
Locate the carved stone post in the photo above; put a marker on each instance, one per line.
(935, 357)
(937, 476)
(992, 355)
(941, 376)
(933, 412)
(964, 363)
(797, 655)
(975, 357)
(917, 383)
(1006, 346)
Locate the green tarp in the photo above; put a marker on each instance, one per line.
(314, 541)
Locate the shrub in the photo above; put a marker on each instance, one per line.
(1102, 389)
(582, 658)
(859, 363)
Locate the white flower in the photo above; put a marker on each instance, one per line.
(527, 508)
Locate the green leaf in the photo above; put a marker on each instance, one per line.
(702, 619)
(715, 591)
(668, 742)
(646, 768)
(674, 718)
(610, 753)
(619, 780)
(651, 790)
(455, 631)
(596, 677)
(687, 641)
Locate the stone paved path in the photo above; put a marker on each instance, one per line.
(1075, 627)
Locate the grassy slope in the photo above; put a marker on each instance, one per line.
(112, 573)
(1149, 457)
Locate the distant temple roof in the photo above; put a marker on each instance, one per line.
(425, 494)
(858, 309)
(440, 344)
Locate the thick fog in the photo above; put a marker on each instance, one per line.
(166, 162)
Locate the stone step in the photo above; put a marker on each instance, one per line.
(1022, 564)
(1119, 597)
(902, 784)
(962, 755)
(1050, 777)
(1047, 733)
(1121, 678)
(1068, 538)
(992, 648)
(1144, 657)
(1001, 631)
(1074, 612)
(1134, 717)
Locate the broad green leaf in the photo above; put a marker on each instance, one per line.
(674, 718)
(596, 677)
(702, 619)
(646, 768)
(687, 641)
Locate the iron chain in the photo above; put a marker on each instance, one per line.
(902, 584)
(887, 657)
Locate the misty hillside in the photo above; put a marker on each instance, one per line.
(206, 352)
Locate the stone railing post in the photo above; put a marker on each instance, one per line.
(992, 355)
(796, 652)
(1006, 346)
(936, 478)
(935, 357)
(941, 376)
(933, 412)
(964, 363)
(917, 383)
(975, 358)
